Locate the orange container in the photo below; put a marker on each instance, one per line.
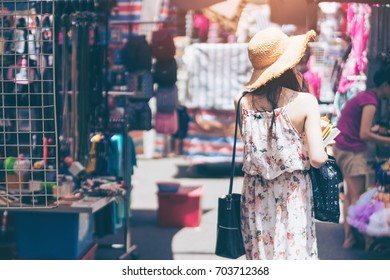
(181, 208)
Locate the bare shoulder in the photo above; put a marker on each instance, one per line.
(237, 98)
(306, 101)
(307, 98)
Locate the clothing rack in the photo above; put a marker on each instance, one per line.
(98, 14)
(128, 247)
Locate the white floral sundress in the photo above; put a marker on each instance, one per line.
(277, 219)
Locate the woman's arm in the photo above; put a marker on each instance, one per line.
(312, 128)
(366, 133)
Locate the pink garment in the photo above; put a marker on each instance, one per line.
(313, 79)
(358, 19)
(202, 24)
(314, 83)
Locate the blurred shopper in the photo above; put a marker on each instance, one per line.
(280, 128)
(350, 150)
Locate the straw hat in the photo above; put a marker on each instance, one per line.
(272, 53)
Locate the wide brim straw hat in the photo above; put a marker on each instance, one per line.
(271, 53)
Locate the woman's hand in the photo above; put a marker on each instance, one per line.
(375, 128)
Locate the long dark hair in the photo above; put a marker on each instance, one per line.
(272, 90)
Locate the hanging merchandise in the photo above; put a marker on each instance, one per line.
(167, 99)
(91, 165)
(163, 46)
(81, 51)
(165, 72)
(116, 116)
(183, 119)
(217, 72)
(20, 37)
(140, 83)
(166, 123)
(338, 68)
(98, 159)
(28, 102)
(378, 51)
(115, 166)
(21, 73)
(359, 29)
(137, 54)
(139, 116)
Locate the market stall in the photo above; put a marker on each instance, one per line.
(369, 50)
(55, 147)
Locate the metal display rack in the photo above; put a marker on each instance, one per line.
(28, 130)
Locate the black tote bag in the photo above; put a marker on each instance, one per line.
(325, 183)
(229, 238)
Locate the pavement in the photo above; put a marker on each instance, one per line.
(197, 243)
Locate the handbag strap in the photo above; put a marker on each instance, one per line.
(233, 166)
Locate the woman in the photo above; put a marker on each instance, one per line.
(350, 151)
(280, 128)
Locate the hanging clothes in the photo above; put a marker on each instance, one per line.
(115, 166)
(117, 156)
(359, 28)
(379, 42)
(217, 72)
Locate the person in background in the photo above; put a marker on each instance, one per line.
(281, 133)
(350, 151)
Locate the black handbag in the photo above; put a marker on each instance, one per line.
(229, 238)
(325, 183)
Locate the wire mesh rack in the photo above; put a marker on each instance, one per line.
(28, 130)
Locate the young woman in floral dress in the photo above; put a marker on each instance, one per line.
(280, 128)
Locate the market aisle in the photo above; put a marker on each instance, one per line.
(159, 243)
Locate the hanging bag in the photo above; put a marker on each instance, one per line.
(137, 54)
(166, 99)
(163, 46)
(325, 183)
(167, 123)
(229, 237)
(183, 122)
(165, 72)
(139, 116)
(140, 83)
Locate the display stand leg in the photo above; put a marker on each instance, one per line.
(129, 249)
(127, 236)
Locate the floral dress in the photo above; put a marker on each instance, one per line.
(277, 219)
